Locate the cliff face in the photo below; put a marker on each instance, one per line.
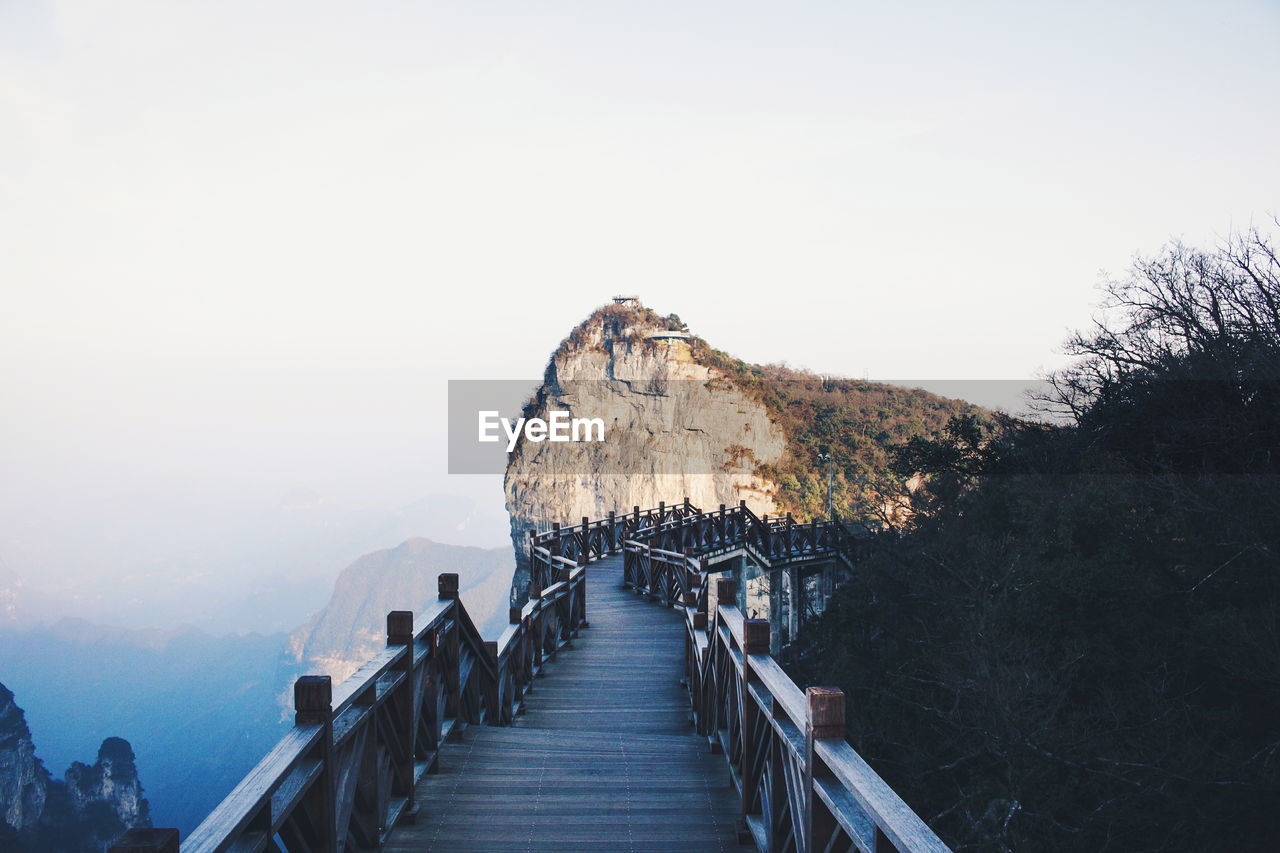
(112, 780)
(684, 419)
(674, 428)
(90, 809)
(23, 779)
(352, 627)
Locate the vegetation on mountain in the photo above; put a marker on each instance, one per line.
(853, 423)
(1075, 644)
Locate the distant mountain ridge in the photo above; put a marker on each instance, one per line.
(351, 628)
(92, 807)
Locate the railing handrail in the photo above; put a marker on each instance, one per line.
(844, 795)
(323, 757)
(305, 788)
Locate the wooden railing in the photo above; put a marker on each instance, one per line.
(344, 775)
(589, 541)
(802, 787)
(667, 559)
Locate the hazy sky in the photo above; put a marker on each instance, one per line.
(244, 244)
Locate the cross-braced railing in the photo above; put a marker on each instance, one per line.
(345, 774)
(802, 787)
(669, 558)
(589, 541)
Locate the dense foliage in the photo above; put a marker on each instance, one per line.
(1076, 646)
(853, 423)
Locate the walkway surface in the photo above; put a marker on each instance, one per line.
(604, 757)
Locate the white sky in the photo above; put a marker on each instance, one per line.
(244, 244)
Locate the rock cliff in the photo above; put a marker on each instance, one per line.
(352, 627)
(88, 810)
(683, 419)
(674, 428)
(23, 779)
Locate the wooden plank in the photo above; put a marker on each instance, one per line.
(604, 756)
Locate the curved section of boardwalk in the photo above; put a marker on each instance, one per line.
(604, 757)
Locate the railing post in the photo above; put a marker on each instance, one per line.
(535, 628)
(493, 690)
(147, 841)
(451, 665)
(522, 654)
(313, 705)
(400, 633)
(824, 720)
(726, 592)
(584, 550)
(755, 636)
(755, 641)
(533, 558)
(613, 531)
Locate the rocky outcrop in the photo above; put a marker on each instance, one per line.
(352, 627)
(86, 812)
(674, 428)
(112, 781)
(23, 779)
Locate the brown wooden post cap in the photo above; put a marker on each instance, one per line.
(555, 526)
(149, 840)
(826, 711)
(700, 620)
(687, 505)
(312, 699)
(586, 521)
(727, 592)
(562, 574)
(743, 503)
(613, 513)
(515, 615)
(399, 627)
(691, 598)
(755, 636)
(448, 586)
(535, 590)
(722, 509)
(491, 647)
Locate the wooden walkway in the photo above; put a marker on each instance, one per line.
(604, 757)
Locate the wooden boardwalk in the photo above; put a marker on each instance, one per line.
(604, 757)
